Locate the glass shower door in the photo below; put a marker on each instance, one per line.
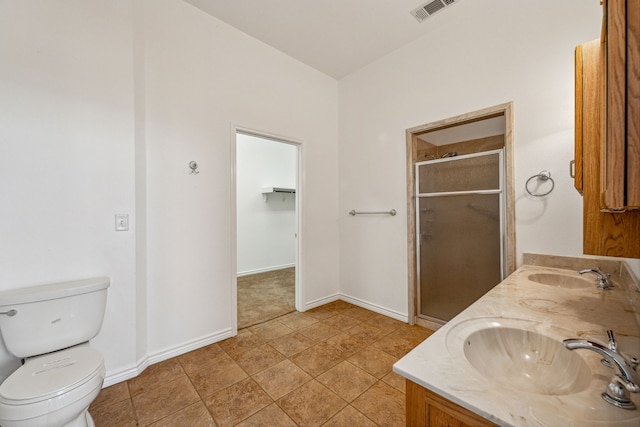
(460, 204)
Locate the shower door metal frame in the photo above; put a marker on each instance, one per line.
(502, 201)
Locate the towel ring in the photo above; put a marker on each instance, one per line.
(542, 176)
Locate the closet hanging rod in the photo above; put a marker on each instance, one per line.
(392, 212)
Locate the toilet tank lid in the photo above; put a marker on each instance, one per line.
(52, 291)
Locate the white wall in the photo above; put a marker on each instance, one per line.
(102, 106)
(476, 55)
(66, 154)
(266, 224)
(203, 77)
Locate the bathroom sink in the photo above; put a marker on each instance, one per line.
(561, 280)
(528, 361)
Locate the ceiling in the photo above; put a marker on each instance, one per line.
(335, 37)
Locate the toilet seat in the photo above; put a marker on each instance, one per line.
(50, 375)
(55, 379)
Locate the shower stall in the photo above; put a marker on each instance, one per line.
(460, 231)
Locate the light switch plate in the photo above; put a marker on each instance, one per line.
(122, 222)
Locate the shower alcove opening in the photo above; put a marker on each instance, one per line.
(461, 212)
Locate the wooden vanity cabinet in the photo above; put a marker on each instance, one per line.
(428, 409)
(607, 140)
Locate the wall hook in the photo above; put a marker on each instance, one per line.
(194, 167)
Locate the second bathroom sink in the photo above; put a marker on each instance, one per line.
(561, 280)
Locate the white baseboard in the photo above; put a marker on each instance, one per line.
(264, 270)
(125, 374)
(360, 303)
(375, 308)
(321, 301)
(189, 346)
(128, 373)
(160, 356)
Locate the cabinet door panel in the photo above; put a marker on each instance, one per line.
(428, 409)
(577, 180)
(633, 103)
(614, 160)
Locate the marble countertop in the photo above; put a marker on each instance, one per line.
(439, 363)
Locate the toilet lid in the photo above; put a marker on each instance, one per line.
(51, 374)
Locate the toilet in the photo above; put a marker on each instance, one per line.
(49, 328)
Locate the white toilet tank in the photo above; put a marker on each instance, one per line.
(46, 318)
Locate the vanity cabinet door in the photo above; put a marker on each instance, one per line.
(427, 409)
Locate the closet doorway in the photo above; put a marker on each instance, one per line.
(267, 218)
(461, 216)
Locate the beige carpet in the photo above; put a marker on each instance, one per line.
(265, 296)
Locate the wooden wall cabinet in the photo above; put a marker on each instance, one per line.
(607, 168)
(427, 409)
(621, 35)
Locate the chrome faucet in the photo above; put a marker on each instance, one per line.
(603, 280)
(625, 381)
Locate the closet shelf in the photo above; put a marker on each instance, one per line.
(277, 190)
(270, 190)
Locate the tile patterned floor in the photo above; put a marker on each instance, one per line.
(330, 366)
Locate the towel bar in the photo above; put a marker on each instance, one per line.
(392, 212)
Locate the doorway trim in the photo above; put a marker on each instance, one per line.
(505, 110)
(299, 288)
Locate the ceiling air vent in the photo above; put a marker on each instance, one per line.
(429, 8)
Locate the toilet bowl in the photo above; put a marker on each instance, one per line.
(49, 327)
(53, 390)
